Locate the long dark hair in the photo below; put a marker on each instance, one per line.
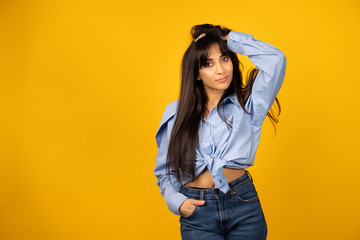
(192, 102)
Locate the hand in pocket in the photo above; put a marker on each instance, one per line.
(189, 205)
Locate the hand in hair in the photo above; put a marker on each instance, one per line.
(200, 36)
(225, 38)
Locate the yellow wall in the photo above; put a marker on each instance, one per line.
(83, 85)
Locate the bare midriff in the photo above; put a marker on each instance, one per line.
(205, 180)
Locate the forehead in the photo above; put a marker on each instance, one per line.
(214, 51)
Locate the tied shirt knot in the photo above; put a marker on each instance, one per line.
(213, 159)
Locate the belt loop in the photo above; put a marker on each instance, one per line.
(181, 188)
(202, 194)
(248, 173)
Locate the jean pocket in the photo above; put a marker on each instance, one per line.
(191, 214)
(246, 193)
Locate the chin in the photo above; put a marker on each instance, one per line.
(225, 86)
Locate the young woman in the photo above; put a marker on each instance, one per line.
(208, 136)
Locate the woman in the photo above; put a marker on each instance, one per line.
(210, 134)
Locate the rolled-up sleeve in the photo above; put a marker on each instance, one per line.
(271, 63)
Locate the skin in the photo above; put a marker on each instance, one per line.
(218, 67)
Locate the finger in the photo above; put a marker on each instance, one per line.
(198, 202)
(200, 36)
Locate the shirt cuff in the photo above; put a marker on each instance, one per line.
(175, 202)
(236, 39)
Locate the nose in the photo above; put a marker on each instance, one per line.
(219, 68)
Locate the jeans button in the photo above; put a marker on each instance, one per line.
(216, 191)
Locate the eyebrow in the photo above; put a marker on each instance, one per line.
(222, 55)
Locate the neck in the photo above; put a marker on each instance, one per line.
(214, 97)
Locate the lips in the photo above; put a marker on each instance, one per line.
(222, 79)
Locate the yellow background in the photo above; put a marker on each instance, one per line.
(83, 88)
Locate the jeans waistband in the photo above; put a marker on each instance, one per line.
(213, 193)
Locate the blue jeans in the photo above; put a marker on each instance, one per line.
(236, 215)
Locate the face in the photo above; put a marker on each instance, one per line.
(217, 74)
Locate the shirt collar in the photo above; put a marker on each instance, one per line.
(232, 97)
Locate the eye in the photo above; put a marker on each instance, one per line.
(208, 64)
(225, 59)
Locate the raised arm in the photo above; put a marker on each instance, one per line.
(271, 63)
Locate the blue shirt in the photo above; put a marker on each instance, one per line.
(219, 145)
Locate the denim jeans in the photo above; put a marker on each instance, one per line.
(236, 215)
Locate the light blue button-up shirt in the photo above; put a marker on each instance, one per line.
(219, 145)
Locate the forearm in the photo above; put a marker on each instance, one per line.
(271, 63)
